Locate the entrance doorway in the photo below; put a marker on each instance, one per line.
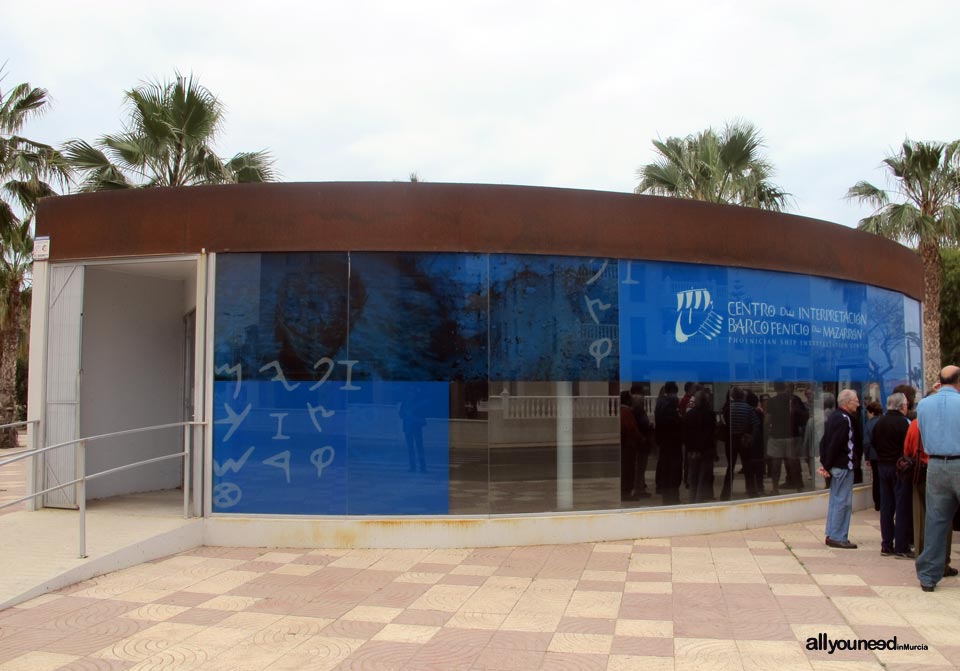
(119, 358)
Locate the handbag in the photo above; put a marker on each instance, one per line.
(906, 468)
(909, 470)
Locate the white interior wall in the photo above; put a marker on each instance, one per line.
(189, 293)
(132, 377)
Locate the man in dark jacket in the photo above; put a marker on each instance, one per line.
(838, 449)
(666, 419)
(896, 510)
(700, 438)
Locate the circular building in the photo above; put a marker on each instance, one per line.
(449, 364)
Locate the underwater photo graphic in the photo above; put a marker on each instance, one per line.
(553, 318)
(418, 316)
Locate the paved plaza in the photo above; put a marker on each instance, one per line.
(738, 600)
(742, 600)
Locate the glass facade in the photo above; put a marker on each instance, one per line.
(435, 383)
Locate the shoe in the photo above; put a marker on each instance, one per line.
(843, 545)
(927, 588)
(885, 552)
(949, 572)
(905, 555)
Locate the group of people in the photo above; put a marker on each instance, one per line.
(669, 430)
(765, 435)
(915, 457)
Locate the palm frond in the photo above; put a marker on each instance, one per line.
(255, 166)
(865, 192)
(725, 167)
(167, 140)
(22, 102)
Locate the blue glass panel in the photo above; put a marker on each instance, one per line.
(887, 339)
(695, 322)
(300, 428)
(914, 346)
(279, 449)
(286, 311)
(399, 448)
(419, 316)
(553, 318)
(282, 450)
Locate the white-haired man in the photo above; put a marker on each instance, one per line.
(837, 457)
(896, 510)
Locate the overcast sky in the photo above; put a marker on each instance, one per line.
(524, 92)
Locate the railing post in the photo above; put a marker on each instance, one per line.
(186, 470)
(562, 407)
(82, 495)
(33, 428)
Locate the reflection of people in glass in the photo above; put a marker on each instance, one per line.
(700, 438)
(874, 412)
(413, 416)
(629, 446)
(742, 422)
(786, 420)
(813, 432)
(646, 428)
(755, 464)
(666, 418)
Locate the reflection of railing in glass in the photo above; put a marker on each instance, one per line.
(591, 332)
(545, 407)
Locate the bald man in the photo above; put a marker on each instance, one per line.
(939, 419)
(838, 454)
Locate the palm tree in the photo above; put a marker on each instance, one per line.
(15, 265)
(926, 181)
(26, 170)
(725, 167)
(167, 140)
(26, 167)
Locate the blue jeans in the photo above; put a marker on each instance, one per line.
(840, 506)
(943, 497)
(896, 510)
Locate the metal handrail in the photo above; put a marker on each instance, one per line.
(81, 463)
(125, 432)
(25, 421)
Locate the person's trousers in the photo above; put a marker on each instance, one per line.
(895, 510)
(735, 449)
(840, 505)
(643, 458)
(943, 498)
(628, 469)
(700, 472)
(919, 515)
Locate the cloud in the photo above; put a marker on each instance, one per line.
(545, 93)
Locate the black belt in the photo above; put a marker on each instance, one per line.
(942, 457)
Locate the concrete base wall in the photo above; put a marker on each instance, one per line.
(452, 532)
